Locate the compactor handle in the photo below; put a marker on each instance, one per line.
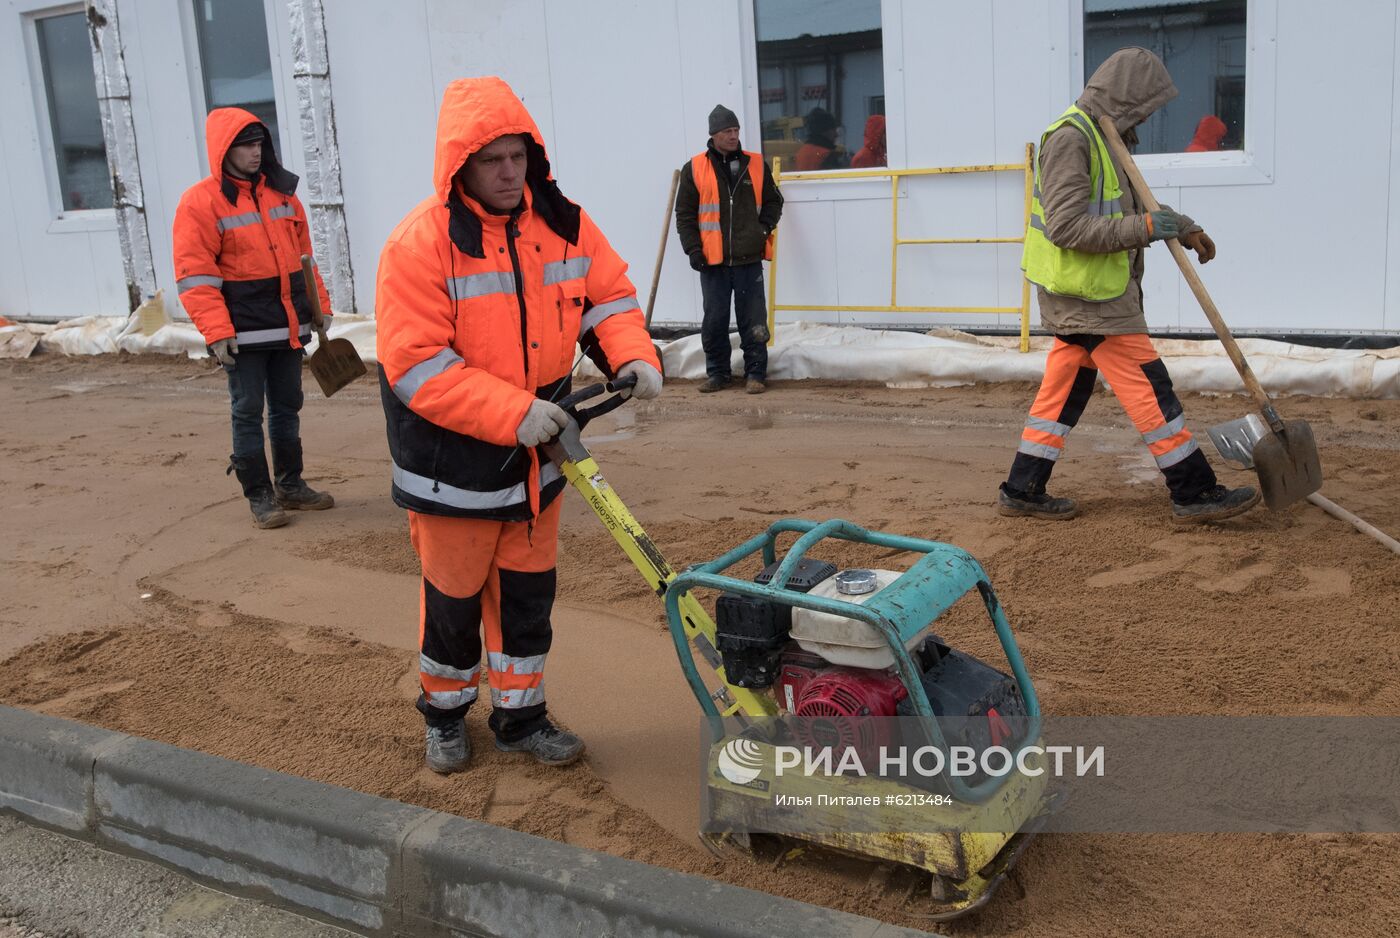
(582, 415)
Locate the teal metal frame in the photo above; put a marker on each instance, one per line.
(898, 612)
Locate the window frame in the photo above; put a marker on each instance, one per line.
(892, 64)
(1253, 165)
(62, 219)
(190, 31)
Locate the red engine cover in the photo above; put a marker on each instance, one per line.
(840, 707)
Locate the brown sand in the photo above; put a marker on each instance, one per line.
(140, 598)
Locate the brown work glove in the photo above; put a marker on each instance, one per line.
(1201, 243)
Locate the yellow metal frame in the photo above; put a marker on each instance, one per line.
(895, 175)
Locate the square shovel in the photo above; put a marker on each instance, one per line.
(335, 363)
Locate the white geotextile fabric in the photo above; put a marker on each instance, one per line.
(945, 358)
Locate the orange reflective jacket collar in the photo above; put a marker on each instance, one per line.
(474, 112)
(221, 127)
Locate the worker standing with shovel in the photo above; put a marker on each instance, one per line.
(1084, 251)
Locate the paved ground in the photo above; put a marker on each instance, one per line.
(52, 886)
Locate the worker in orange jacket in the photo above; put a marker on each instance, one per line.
(484, 289)
(239, 235)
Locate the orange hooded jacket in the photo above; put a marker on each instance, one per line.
(238, 247)
(478, 314)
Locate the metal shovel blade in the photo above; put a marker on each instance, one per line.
(1235, 439)
(1287, 464)
(335, 364)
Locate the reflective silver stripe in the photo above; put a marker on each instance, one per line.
(282, 211)
(501, 662)
(598, 313)
(709, 226)
(1048, 426)
(447, 699)
(1174, 456)
(1039, 449)
(238, 221)
(256, 336)
(1171, 428)
(1111, 207)
(198, 280)
(1037, 223)
(474, 285)
(415, 377)
(428, 666)
(570, 269)
(522, 697)
(444, 494)
(709, 207)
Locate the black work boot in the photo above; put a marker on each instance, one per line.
(1017, 504)
(713, 384)
(292, 492)
(549, 745)
(257, 488)
(1215, 503)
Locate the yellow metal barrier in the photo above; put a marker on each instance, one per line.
(894, 175)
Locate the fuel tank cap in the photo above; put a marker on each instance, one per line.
(856, 582)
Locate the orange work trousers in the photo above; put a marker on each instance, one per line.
(491, 577)
(1140, 380)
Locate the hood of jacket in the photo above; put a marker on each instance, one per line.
(1209, 132)
(474, 112)
(875, 133)
(1127, 88)
(221, 127)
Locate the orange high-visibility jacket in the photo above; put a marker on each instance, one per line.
(238, 247)
(707, 186)
(478, 314)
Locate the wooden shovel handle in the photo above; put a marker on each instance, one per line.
(661, 251)
(1266, 406)
(313, 296)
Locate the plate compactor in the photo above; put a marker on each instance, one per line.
(805, 650)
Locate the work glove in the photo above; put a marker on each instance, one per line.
(542, 422)
(697, 260)
(648, 379)
(1163, 224)
(1201, 243)
(320, 321)
(225, 351)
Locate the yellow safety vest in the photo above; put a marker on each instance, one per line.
(1096, 277)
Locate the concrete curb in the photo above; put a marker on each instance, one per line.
(376, 865)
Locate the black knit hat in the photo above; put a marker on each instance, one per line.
(721, 118)
(253, 133)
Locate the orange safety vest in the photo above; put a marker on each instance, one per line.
(707, 185)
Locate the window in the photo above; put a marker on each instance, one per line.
(234, 58)
(1203, 45)
(75, 123)
(820, 81)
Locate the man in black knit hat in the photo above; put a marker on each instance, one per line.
(726, 209)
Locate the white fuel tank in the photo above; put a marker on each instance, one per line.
(846, 641)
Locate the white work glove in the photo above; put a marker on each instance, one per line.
(648, 379)
(542, 422)
(224, 351)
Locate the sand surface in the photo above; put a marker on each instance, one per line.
(139, 597)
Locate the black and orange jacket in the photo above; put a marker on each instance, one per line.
(238, 247)
(478, 315)
(746, 217)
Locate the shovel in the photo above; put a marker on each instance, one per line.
(335, 363)
(1283, 453)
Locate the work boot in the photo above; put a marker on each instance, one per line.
(713, 384)
(292, 492)
(1214, 504)
(754, 386)
(447, 747)
(549, 746)
(257, 488)
(1017, 504)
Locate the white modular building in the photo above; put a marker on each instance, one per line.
(1287, 110)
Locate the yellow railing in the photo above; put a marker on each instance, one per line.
(894, 175)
